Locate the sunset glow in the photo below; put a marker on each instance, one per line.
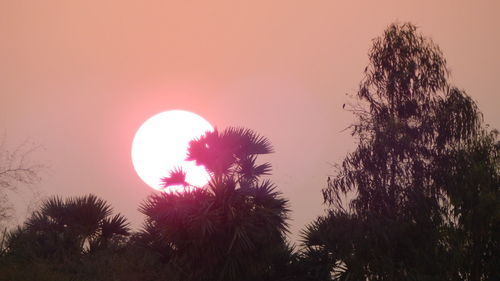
(161, 144)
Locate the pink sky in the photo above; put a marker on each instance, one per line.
(79, 77)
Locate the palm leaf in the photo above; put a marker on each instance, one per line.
(176, 177)
(116, 225)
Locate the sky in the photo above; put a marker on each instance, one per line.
(78, 78)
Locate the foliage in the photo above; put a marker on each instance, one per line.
(232, 229)
(232, 154)
(417, 139)
(471, 177)
(61, 234)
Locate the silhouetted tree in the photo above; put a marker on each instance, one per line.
(232, 229)
(411, 206)
(470, 175)
(60, 235)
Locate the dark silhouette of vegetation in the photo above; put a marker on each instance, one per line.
(418, 198)
(234, 229)
(62, 233)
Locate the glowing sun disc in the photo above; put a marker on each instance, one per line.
(161, 144)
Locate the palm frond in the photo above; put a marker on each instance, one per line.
(213, 151)
(176, 177)
(250, 171)
(86, 213)
(263, 169)
(116, 225)
(247, 142)
(53, 208)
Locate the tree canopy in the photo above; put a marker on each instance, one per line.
(60, 235)
(400, 194)
(232, 229)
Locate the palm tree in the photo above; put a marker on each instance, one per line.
(229, 229)
(65, 229)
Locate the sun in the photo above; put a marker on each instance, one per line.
(161, 144)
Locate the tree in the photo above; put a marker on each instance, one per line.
(16, 169)
(232, 229)
(61, 232)
(413, 131)
(471, 177)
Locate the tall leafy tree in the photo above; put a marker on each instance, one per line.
(390, 195)
(232, 229)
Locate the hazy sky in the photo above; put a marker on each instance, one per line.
(79, 77)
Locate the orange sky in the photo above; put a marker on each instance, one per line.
(79, 77)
